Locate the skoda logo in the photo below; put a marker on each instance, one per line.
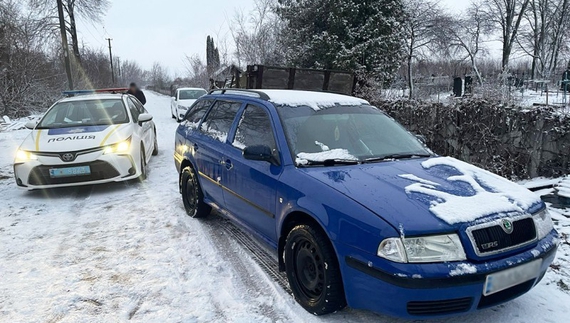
(68, 157)
(507, 226)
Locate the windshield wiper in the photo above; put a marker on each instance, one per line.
(329, 162)
(395, 156)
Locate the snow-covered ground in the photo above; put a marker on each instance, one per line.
(121, 252)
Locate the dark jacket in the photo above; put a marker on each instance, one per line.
(139, 95)
(565, 81)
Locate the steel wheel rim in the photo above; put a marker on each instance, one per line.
(191, 195)
(309, 269)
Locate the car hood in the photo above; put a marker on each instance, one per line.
(75, 138)
(422, 196)
(186, 103)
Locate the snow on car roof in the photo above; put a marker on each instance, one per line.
(315, 100)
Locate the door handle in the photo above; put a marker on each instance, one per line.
(228, 164)
(195, 147)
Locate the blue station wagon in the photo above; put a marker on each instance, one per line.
(359, 210)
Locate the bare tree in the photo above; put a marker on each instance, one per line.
(197, 71)
(89, 10)
(257, 35)
(544, 34)
(465, 36)
(423, 16)
(508, 15)
(27, 74)
(130, 72)
(158, 77)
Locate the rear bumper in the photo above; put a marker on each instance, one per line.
(35, 174)
(431, 290)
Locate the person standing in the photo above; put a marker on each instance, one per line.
(137, 93)
(566, 79)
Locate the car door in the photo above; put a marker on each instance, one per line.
(250, 186)
(210, 145)
(187, 132)
(147, 129)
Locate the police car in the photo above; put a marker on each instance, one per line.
(90, 137)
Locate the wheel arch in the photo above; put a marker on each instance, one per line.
(183, 164)
(289, 222)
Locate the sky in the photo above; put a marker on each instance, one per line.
(149, 31)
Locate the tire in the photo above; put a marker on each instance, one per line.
(155, 150)
(143, 165)
(192, 195)
(313, 271)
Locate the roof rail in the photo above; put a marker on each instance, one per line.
(85, 92)
(245, 92)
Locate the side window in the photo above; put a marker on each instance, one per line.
(197, 111)
(220, 119)
(254, 129)
(139, 106)
(134, 111)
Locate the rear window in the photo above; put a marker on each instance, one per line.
(190, 94)
(85, 113)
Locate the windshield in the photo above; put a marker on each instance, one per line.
(85, 113)
(349, 133)
(190, 94)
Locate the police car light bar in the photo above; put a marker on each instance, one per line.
(84, 92)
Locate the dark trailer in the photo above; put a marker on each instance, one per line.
(274, 77)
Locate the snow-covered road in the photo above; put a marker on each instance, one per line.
(121, 252)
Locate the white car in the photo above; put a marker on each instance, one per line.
(183, 99)
(87, 139)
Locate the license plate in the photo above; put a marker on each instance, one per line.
(511, 277)
(70, 171)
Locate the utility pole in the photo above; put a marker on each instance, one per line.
(64, 44)
(111, 59)
(119, 74)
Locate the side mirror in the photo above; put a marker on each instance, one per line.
(421, 138)
(31, 125)
(259, 152)
(144, 117)
(174, 98)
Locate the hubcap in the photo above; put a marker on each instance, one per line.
(309, 268)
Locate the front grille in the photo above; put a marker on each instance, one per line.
(100, 170)
(505, 295)
(493, 239)
(448, 306)
(74, 154)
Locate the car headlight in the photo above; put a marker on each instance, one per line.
(181, 107)
(24, 156)
(440, 248)
(543, 223)
(120, 147)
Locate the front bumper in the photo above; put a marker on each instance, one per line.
(34, 174)
(434, 290)
(181, 113)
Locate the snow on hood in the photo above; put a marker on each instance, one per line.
(75, 138)
(414, 194)
(491, 194)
